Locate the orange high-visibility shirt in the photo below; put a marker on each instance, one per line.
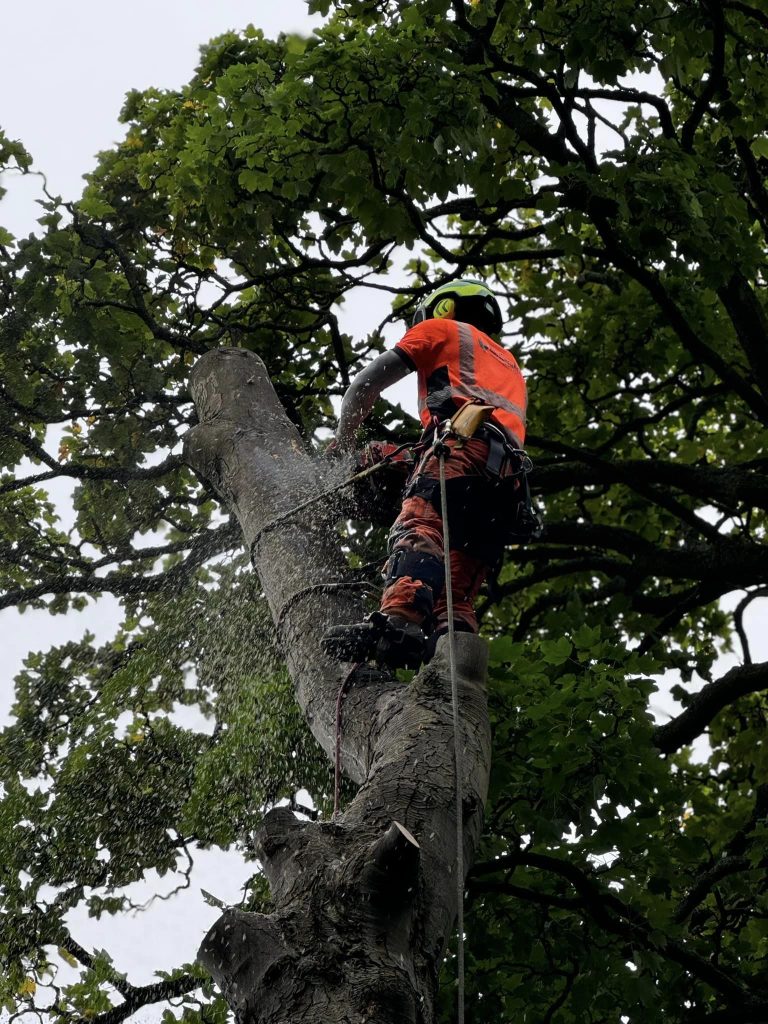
(457, 363)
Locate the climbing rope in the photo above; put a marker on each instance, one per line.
(441, 450)
(320, 588)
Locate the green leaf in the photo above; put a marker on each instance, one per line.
(556, 652)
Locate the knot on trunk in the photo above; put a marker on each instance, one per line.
(240, 952)
(344, 903)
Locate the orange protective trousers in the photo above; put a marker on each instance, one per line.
(419, 528)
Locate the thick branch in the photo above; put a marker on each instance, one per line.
(708, 702)
(751, 324)
(756, 1013)
(704, 884)
(621, 919)
(124, 584)
(621, 95)
(737, 484)
(147, 995)
(714, 78)
(735, 561)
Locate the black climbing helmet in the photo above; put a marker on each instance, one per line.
(467, 300)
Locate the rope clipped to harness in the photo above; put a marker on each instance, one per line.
(441, 451)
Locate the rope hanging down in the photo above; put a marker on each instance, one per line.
(441, 452)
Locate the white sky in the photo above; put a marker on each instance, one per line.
(64, 70)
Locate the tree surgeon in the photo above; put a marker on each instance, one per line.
(472, 404)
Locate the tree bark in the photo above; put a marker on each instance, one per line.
(363, 904)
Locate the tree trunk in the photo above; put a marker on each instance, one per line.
(364, 904)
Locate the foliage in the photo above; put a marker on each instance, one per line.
(602, 165)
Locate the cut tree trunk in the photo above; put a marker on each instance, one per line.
(364, 904)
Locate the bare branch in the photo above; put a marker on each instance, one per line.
(705, 705)
(714, 78)
(723, 868)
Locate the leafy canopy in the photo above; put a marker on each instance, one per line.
(602, 166)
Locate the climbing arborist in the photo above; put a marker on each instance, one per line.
(460, 367)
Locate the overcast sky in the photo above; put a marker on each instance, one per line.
(65, 68)
(64, 71)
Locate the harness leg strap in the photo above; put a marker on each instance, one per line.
(419, 566)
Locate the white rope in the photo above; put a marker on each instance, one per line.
(456, 743)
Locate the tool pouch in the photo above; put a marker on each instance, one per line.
(466, 422)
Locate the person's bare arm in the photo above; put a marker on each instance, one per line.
(361, 395)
